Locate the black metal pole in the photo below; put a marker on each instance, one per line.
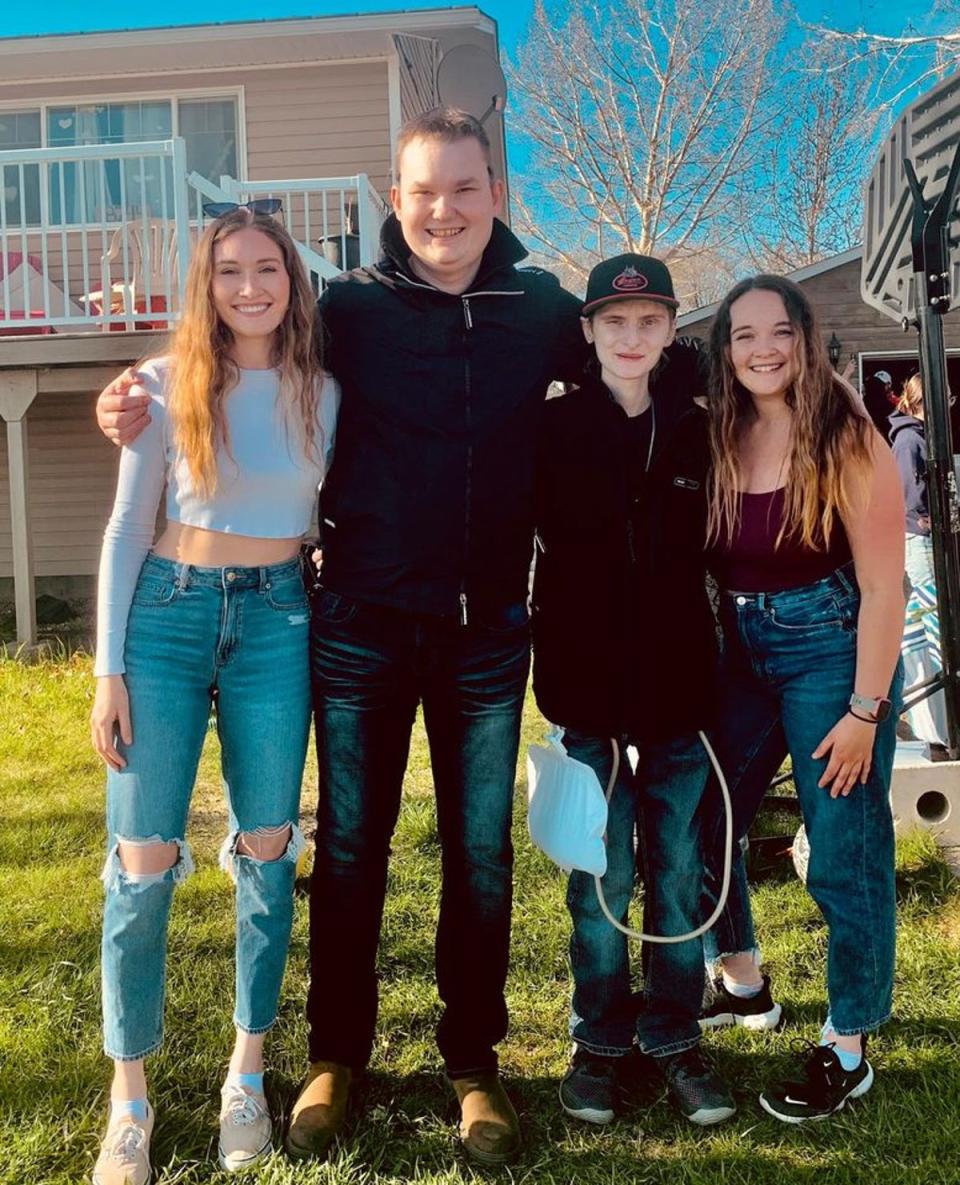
(944, 509)
(929, 240)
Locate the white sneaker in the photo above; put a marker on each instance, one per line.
(125, 1152)
(245, 1128)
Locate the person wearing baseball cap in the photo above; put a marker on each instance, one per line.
(624, 650)
(879, 400)
(629, 277)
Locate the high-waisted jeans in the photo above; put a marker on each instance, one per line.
(240, 635)
(787, 673)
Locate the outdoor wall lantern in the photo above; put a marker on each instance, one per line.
(834, 349)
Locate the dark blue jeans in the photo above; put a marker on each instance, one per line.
(371, 666)
(787, 672)
(662, 800)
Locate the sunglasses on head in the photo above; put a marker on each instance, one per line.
(255, 206)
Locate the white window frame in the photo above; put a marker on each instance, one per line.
(878, 356)
(236, 92)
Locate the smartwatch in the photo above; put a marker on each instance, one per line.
(876, 709)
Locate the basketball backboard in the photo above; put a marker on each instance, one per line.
(927, 135)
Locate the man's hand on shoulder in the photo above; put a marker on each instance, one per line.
(122, 416)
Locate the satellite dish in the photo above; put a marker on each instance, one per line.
(470, 78)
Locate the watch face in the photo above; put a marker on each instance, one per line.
(883, 709)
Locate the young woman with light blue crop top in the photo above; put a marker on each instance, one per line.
(241, 432)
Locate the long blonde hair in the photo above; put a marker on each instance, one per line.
(829, 459)
(203, 372)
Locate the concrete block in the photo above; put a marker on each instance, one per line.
(926, 794)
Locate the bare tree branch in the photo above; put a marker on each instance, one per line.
(637, 121)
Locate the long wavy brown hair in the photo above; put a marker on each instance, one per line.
(204, 373)
(829, 461)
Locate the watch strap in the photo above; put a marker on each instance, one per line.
(863, 706)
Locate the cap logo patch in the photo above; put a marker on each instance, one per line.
(630, 280)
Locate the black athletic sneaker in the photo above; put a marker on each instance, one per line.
(755, 1012)
(697, 1089)
(589, 1088)
(821, 1087)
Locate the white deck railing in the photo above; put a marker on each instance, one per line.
(342, 216)
(96, 238)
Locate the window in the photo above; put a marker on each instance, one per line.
(20, 129)
(209, 127)
(112, 190)
(109, 191)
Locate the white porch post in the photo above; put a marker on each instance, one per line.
(18, 389)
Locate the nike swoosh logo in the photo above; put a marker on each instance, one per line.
(795, 1102)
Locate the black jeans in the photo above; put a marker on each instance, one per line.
(371, 666)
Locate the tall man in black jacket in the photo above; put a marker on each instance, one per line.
(443, 352)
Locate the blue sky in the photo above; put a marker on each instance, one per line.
(512, 16)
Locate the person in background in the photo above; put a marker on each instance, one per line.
(621, 519)
(921, 635)
(240, 434)
(879, 400)
(806, 530)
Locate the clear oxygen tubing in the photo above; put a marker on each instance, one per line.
(727, 859)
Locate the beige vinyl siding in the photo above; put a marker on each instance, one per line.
(72, 480)
(319, 121)
(325, 120)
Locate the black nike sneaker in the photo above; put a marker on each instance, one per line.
(821, 1088)
(755, 1012)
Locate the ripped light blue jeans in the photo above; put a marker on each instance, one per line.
(237, 635)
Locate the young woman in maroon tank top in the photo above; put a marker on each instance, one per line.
(805, 528)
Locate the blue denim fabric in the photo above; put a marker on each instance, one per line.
(242, 633)
(787, 672)
(733, 931)
(371, 666)
(662, 799)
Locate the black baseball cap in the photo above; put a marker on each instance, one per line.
(629, 277)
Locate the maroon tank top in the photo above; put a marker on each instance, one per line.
(752, 562)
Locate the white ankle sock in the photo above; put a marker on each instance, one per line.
(742, 991)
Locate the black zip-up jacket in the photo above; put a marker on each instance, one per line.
(624, 638)
(429, 503)
(909, 444)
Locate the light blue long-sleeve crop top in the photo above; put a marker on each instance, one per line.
(266, 487)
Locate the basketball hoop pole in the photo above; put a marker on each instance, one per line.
(929, 240)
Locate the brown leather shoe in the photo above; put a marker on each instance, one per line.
(319, 1112)
(489, 1128)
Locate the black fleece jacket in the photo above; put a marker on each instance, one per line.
(429, 504)
(624, 638)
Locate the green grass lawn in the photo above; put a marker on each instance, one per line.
(53, 1075)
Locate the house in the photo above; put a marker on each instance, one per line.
(110, 143)
(859, 333)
